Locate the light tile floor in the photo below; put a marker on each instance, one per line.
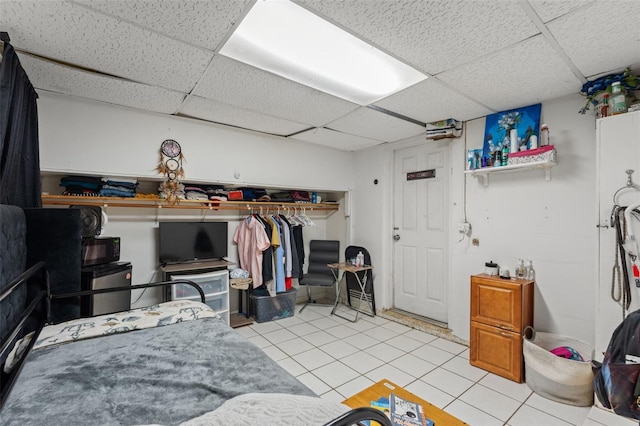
(336, 359)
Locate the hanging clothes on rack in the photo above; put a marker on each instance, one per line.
(267, 254)
(252, 240)
(299, 241)
(631, 243)
(286, 244)
(620, 288)
(294, 265)
(278, 255)
(626, 248)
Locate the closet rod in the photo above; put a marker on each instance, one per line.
(182, 204)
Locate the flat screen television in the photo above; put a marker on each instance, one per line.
(192, 241)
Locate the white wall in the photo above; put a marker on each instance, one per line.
(517, 215)
(84, 137)
(371, 216)
(90, 137)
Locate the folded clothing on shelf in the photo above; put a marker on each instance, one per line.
(118, 187)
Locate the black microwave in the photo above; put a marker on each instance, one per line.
(100, 250)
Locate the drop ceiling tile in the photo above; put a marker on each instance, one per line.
(333, 139)
(53, 77)
(431, 35)
(430, 101)
(372, 124)
(549, 10)
(218, 112)
(203, 23)
(241, 85)
(595, 51)
(527, 73)
(74, 34)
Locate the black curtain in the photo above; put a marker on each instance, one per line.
(19, 149)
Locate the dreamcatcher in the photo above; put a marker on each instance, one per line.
(170, 164)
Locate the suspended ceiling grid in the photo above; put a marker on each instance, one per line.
(481, 57)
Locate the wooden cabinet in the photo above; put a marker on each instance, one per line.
(500, 311)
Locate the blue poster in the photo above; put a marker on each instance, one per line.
(525, 120)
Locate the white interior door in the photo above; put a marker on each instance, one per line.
(421, 222)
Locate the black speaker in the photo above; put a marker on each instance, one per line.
(54, 236)
(90, 219)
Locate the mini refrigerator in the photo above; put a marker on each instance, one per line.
(114, 274)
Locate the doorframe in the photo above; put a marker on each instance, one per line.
(388, 220)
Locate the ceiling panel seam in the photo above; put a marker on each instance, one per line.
(528, 9)
(222, 43)
(227, 124)
(396, 115)
(82, 68)
(144, 27)
(463, 94)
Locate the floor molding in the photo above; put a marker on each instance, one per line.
(420, 323)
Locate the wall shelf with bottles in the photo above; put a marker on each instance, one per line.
(484, 172)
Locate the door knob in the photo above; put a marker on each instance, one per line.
(396, 237)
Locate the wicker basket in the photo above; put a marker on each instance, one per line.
(240, 283)
(556, 378)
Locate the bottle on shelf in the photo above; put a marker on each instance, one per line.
(497, 162)
(359, 259)
(618, 98)
(505, 155)
(513, 135)
(533, 140)
(604, 109)
(544, 135)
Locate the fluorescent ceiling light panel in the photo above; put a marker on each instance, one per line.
(283, 38)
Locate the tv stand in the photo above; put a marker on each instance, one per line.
(194, 266)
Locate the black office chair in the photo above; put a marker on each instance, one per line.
(321, 252)
(353, 289)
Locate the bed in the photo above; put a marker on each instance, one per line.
(168, 364)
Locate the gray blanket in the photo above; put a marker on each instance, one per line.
(164, 375)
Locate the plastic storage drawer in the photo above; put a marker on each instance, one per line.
(211, 283)
(218, 303)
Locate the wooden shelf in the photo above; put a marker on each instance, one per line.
(140, 202)
(486, 171)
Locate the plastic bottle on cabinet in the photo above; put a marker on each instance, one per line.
(520, 269)
(530, 273)
(604, 109)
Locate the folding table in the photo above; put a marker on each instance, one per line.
(348, 268)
